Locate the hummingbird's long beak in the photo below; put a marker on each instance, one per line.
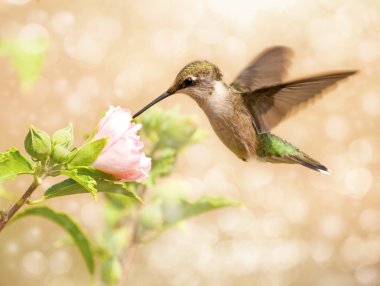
(158, 99)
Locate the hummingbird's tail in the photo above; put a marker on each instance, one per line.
(276, 150)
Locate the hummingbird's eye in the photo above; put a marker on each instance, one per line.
(187, 82)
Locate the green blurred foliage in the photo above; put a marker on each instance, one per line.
(111, 271)
(169, 130)
(131, 217)
(169, 206)
(67, 223)
(165, 135)
(27, 58)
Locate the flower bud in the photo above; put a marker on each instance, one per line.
(64, 137)
(111, 271)
(38, 144)
(59, 154)
(62, 140)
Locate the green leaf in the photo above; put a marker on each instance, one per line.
(71, 228)
(85, 181)
(174, 212)
(88, 153)
(168, 210)
(121, 203)
(27, 58)
(13, 163)
(93, 172)
(71, 187)
(37, 143)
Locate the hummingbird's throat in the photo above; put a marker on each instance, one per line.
(219, 101)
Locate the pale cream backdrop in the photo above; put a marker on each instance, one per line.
(298, 227)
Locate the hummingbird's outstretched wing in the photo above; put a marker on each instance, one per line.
(267, 69)
(269, 105)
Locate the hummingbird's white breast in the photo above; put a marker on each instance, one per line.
(219, 99)
(233, 126)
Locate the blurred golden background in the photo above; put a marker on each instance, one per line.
(298, 227)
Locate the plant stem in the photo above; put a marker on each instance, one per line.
(6, 216)
(132, 248)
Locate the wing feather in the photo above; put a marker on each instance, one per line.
(269, 105)
(268, 68)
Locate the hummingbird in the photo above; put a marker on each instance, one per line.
(244, 112)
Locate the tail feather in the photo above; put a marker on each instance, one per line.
(276, 150)
(311, 164)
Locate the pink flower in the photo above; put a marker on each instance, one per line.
(122, 156)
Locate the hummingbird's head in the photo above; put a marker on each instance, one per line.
(196, 80)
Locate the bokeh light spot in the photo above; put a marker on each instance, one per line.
(34, 263)
(371, 103)
(60, 262)
(358, 182)
(62, 22)
(336, 127)
(361, 151)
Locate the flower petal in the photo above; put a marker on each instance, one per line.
(114, 124)
(121, 157)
